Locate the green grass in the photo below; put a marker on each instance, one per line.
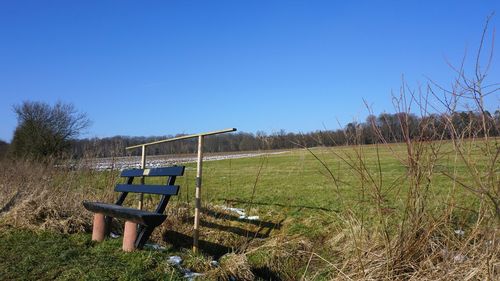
(297, 186)
(27, 255)
(293, 178)
(292, 187)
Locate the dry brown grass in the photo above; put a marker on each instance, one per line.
(436, 252)
(41, 196)
(232, 267)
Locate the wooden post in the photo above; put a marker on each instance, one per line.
(143, 166)
(197, 206)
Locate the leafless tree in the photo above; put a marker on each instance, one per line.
(44, 130)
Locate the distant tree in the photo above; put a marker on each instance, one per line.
(352, 133)
(497, 122)
(369, 129)
(45, 130)
(3, 148)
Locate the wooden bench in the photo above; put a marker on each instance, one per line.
(135, 236)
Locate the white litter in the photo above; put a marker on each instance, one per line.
(459, 258)
(114, 235)
(154, 247)
(188, 274)
(191, 275)
(241, 212)
(174, 260)
(459, 232)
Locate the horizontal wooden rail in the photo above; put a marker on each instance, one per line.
(183, 138)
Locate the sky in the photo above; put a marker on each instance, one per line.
(150, 68)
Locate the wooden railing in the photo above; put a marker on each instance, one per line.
(196, 230)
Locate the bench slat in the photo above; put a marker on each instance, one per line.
(154, 172)
(129, 214)
(148, 188)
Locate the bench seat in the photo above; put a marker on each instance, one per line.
(130, 214)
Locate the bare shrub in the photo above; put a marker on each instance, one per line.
(415, 235)
(471, 136)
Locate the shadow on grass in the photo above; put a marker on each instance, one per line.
(266, 273)
(182, 241)
(257, 229)
(179, 240)
(261, 224)
(236, 230)
(277, 205)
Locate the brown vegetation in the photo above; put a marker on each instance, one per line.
(41, 196)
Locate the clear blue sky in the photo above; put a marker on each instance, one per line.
(146, 68)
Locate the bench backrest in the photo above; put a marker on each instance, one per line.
(165, 190)
(168, 189)
(154, 172)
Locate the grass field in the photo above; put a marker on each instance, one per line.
(324, 213)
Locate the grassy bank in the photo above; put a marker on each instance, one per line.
(28, 255)
(358, 212)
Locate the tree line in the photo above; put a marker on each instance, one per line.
(386, 127)
(46, 131)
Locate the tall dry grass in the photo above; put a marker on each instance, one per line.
(422, 240)
(48, 196)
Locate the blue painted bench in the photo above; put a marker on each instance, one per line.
(147, 220)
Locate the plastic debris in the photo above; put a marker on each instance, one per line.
(154, 247)
(241, 212)
(459, 232)
(191, 275)
(459, 258)
(174, 260)
(114, 235)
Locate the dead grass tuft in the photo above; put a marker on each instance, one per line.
(41, 211)
(197, 262)
(232, 267)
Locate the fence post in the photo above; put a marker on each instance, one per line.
(143, 166)
(196, 234)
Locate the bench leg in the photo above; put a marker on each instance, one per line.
(129, 236)
(142, 238)
(98, 228)
(108, 221)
